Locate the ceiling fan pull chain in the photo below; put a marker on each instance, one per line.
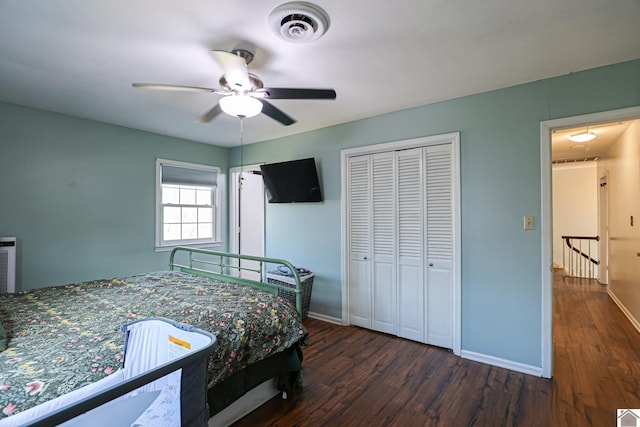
(241, 147)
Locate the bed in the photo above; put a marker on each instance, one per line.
(64, 338)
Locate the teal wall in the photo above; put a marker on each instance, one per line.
(500, 183)
(80, 195)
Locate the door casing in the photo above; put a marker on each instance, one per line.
(546, 216)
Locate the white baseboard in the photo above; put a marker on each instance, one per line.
(502, 363)
(325, 318)
(624, 309)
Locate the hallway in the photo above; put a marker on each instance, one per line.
(596, 354)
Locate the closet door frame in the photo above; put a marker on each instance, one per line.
(450, 138)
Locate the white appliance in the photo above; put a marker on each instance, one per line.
(7, 264)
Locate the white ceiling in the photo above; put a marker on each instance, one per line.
(80, 57)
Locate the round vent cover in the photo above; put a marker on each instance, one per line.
(299, 22)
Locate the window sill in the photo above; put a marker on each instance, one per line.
(208, 245)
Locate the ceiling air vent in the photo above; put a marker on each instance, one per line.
(299, 22)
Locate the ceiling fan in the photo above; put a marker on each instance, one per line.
(244, 94)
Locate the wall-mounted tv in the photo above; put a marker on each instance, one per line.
(292, 181)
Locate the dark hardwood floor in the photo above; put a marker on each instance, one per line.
(356, 377)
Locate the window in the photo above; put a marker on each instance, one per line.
(188, 204)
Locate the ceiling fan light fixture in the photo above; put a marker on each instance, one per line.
(582, 137)
(240, 105)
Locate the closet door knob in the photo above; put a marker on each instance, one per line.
(365, 258)
(430, 264)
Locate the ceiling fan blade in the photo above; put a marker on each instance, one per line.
(275, 113)
(291, 93)
(235, 69)
(158, 86)
(210, 115)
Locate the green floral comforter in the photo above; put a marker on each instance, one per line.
(62, 338)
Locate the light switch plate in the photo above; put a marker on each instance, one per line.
(529, 223)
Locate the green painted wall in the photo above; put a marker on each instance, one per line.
(80, 195)
(500, 183)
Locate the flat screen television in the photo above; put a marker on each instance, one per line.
(292, 182)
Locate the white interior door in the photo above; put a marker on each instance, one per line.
(247, 223)
(410, 283)
(439, 304)
(383, 216)
(604, 230)
(359, 242)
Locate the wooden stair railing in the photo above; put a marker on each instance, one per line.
(578, 262)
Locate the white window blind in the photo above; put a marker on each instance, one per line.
(179, 175)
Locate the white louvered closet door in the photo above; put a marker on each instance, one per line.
(410, 281)
(400, 228)
(439, 244)
(383, 214)
(359, 244)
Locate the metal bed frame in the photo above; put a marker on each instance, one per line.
(223, 266)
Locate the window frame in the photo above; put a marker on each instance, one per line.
(216, 240)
